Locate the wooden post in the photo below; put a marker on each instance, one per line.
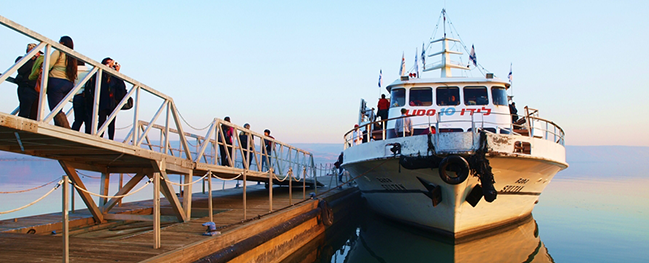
(187, 194)
(245, 185)
(103, 188)
(315, 185)
(72, 201)
(209, 198)
(121, 184)
(270, 189)
(180, 187)
(66, 222)
(156, 210)
(304, 183)
(290, 186)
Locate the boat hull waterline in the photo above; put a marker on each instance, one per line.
(398, 193)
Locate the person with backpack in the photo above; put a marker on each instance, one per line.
(27, 95)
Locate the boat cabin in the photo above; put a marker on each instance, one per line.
(450, 105)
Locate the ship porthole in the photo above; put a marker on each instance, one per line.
(454, 169)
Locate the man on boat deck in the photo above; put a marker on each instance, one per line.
(403, 126)
(513, 111)
(382, 107)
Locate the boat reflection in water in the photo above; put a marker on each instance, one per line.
(374, 239)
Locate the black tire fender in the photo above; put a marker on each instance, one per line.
(457, 164)
(326, 214)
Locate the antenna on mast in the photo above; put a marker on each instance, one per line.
(444, 24)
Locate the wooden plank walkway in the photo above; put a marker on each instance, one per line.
(133, 242)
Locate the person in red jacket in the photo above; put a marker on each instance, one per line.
(383, 106)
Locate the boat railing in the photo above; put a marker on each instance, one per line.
(531, 126)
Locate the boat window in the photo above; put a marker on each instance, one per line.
(421, 97)
(499, 95)
(398, 98)
(475, 96)
(448, 96)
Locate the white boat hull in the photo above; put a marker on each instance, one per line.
(396, 192)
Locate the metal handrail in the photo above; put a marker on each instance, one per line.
(551, 129)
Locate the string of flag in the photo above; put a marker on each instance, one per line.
(473, 59)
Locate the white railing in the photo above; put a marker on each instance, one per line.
(532, 126)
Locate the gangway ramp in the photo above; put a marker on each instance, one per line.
(156, 145)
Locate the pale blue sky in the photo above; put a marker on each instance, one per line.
(300, 68)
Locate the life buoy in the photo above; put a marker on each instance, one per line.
(326, 214)
(457, 164)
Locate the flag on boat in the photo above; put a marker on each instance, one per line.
(510, 73)
(423, 57)
(402, 70)
(472, 56)
(380, 77)
(416, 65)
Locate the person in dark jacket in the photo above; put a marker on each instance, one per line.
(81, 113)
(266, 160)
(27, 95)
(113, 90)
(225, 146)
(245, 145)
(339, 165)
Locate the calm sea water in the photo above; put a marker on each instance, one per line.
(595, 211)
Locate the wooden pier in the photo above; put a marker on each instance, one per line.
(264, 237)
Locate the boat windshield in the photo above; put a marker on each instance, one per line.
(398, 97)
(448, 96)
(499, 95)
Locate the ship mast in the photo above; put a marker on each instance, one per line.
(446, 63)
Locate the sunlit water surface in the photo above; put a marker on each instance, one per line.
(595, 211)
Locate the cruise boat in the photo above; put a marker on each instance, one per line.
(466, 164)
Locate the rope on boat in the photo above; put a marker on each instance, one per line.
(112, 196)
(36, 201)
(188, 184)
(30, 189)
